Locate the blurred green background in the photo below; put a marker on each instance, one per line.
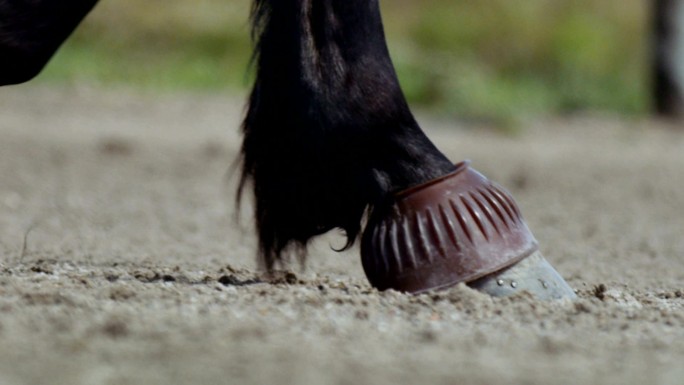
(496, 60)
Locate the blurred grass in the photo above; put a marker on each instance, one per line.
(496, 60)
(158, 45)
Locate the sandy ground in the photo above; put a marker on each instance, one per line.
(121, 261)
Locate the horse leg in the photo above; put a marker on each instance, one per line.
(31, 31)
(328, 132)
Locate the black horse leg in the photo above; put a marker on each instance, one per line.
(328, 132)
(31, 31)
(668, 74)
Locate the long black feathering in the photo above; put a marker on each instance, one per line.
(328, 132)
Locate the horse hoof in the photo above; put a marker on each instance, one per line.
(457, 228)
(533, 274)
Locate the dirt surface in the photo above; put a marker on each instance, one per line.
(121, 261)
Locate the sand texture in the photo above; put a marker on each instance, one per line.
(122, 262)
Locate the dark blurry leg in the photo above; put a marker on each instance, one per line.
(31, 31)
